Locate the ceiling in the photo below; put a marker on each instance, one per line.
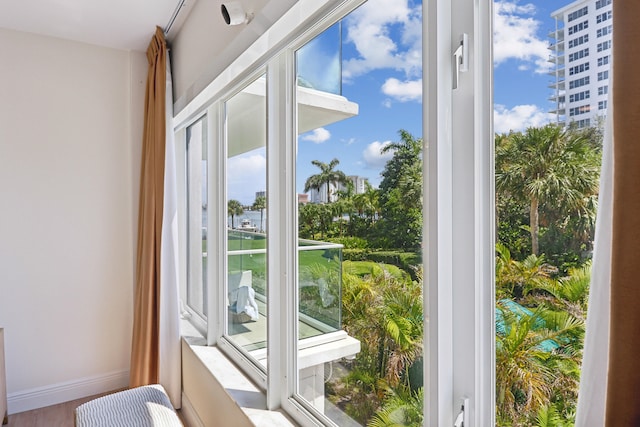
(120, 24)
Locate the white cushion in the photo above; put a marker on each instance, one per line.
(146, 406)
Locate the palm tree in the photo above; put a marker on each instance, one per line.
(260, 204)
(518, 278)
(385, 313)
(402, 410)
(372, 205)
(327, 176)
(548, 416)
(548, 165)
(403, 317)
(537, 361)
(234, 208)
(569, 293)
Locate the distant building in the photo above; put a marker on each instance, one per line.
(261, 194)
(320, 196)
(303, 198)
(359, 184)
(581, 52)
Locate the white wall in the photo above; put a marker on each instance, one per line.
(70, 136)
(204, 46)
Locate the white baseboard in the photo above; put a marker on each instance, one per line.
(189, 414)
(53, 394)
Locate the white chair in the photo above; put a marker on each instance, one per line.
(242, 302)
(146, 406)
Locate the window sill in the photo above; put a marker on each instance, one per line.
(239, 389)
(250, 399)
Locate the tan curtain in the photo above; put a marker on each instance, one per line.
(145, 354)
(623, 388)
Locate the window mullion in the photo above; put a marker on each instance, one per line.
(282, 330)
(484, 217)
(462, 287)
(438, 215)
(216, 224)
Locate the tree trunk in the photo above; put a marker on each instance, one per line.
(533, 225)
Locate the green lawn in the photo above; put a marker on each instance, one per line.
(364, 268)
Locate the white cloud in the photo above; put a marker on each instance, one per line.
(317, 136)
(246, 175)
(519, 118)
(373, 157)
(515, 36)
(369, 28)
(409, 90)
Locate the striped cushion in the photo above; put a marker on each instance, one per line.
(147, 406)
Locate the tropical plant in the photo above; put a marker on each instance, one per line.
(260, 204)
(328, 175)
(548, 416)
(404, 409)
(549, 167)
(570, 293)
(384, 312)
(401, 193)
(517, 278)
(308, 220)
(234, 208)
(367, 204)
(537, 362)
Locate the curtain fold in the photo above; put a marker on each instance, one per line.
(155, 356)
(170, 374)
(610, 383)
(592, 394)
(623, 385)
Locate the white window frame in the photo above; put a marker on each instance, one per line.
(458, 194)
(197, 319)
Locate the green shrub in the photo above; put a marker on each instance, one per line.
(408, 261)
(350, 242)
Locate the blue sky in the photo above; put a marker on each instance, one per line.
(381, 72)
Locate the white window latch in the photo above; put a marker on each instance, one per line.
(462, 416)
(461, 59)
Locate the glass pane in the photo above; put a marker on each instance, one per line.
(246, 225)
(197, 217)
(359, 262)
(545, 230)
(325, 50)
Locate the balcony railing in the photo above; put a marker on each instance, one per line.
(319, 284)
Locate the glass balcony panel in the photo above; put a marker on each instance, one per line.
(320, 64)
(320, 284)
(246, 130)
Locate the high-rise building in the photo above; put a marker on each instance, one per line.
(359, 183)
(581, 52)
(320, 195)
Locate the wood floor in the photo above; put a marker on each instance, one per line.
(55, 416)
(52, 416)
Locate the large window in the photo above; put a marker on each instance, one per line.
(270, 294)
